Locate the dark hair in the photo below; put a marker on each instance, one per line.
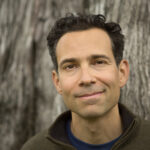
(82, 22)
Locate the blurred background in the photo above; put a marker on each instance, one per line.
(28, 100)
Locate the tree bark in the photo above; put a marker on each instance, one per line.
(28, 100)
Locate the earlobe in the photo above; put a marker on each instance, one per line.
(123, 72)
(56, 81)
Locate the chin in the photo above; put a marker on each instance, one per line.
(90, 114)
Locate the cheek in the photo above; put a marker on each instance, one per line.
(110, 78)
(67, 84)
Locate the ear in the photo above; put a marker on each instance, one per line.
(56, 81)
(123, 72)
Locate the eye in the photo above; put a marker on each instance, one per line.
(99, 62)
(70, 67)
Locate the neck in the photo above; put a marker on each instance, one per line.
(97, 131)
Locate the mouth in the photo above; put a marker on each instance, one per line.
(91, 95)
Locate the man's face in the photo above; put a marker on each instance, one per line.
(88, 78)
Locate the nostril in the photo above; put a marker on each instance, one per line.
(93, 81)
(87, 83)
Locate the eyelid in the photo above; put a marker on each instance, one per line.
(100, 60)
(68, 65)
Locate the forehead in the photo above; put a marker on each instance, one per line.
(84, 42)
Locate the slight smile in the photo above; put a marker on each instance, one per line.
(91, 95)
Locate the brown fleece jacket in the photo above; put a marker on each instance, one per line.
(136, 134)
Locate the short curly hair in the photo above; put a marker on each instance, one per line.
(83, 22)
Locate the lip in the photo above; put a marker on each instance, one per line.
(91, 95)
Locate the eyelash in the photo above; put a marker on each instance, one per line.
(99, 62)
(69, 67)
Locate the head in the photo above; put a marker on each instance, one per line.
(83, 22)
(89, 69)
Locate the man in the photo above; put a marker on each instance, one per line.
(89, 72)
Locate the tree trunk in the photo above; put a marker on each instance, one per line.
(28, 101)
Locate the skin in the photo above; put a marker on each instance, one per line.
(89, 81)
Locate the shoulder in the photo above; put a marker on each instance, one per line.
(141, 138)
(39, 142)
(138, 136)
(144, 128)
(53, 138)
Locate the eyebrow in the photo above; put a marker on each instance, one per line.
(96, 56)
(67, 60)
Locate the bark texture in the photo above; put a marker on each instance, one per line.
(28, 100)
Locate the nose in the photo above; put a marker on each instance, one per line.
(86, 77)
